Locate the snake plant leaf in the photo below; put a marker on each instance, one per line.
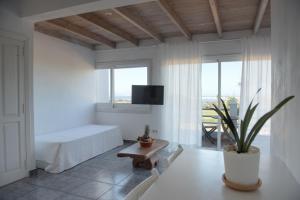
(256, 94)
(230, 124)
(249, 113)
(260, 123)
(246, 122)
(247, 119)
(219, 112)
(255, 130)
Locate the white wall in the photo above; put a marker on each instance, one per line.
(285, 137)
(64, 84)
(132, 124)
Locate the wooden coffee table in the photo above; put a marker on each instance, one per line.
(144, 157)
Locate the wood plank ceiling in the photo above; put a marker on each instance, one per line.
(158, 20)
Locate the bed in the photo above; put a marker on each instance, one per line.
(58, 151)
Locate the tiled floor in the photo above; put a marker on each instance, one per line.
(105, 177)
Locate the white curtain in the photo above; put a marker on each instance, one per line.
(256, 74)
(181, 75)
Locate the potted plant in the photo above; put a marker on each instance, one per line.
(242, 159)
(145, 140)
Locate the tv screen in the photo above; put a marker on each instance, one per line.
(148, 94)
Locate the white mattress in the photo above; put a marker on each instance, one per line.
(58, 151)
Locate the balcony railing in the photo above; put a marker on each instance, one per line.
(212, 125)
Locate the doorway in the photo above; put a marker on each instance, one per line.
(221, 79)
(12, 111)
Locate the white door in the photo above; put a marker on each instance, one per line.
(12, 123)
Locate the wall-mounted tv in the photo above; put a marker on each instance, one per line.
(148, 94)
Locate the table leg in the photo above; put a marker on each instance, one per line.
(147, 164)
(136, 163)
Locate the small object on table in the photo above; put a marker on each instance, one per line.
(144, 157)
(145, 140)
(146, 143)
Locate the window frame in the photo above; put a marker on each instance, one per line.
(221, 58)
(111, 106)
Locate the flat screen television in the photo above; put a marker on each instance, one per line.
(148, 94)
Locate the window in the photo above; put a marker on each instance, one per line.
(124, 78)
(114, 85)
(221, 78)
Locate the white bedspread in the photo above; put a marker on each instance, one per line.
(65, 149)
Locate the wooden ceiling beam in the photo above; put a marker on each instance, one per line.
(102, 23)
(216, 16)
(58, 35)
(260, 14)
(174, 18)
(138, 22)
(82, 32)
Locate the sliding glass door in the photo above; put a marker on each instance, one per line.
(221, 79)
(210, 91)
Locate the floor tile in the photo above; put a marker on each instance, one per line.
(15, 190)
(40, 179)
(64, 183)
(19, 187)
(133, 180)
(141, 171)
(42, 194)
(91, 189)
(116, 193)
(85, 172)
(108, 164)
(9, 196)
(71, 197)
(111, 176)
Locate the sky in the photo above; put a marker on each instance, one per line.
(230, 79)
(126, 77)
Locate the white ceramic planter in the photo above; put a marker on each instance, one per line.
(242, 168)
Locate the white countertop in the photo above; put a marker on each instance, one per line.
(197, 175)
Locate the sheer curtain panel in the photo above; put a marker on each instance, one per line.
(181, 75)
(256, 74)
